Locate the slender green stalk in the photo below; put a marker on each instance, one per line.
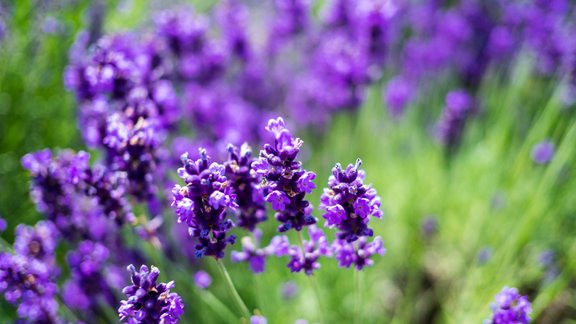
(218, 307)
(313, 283)
(232, 290)
(358, 299)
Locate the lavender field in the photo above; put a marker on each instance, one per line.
(288, 161)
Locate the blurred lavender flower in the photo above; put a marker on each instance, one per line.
(148, 301)
(285, 182)
(357, 253)
(484, 255)
(256, 257)
(510, 308)
(258, 319)
(543, 152)
(202, 279)
(3, 224)
(88, 283)
(349, 203)
(203, 203)
(289, 290)
(398, 94)
(29, 283)
(38, 242)
(459, 107)
(429, 226)
(244, 181)
(305, 258)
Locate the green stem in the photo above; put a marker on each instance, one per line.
(358, 299)
(313, 282)
(217, 306)
(232, 290)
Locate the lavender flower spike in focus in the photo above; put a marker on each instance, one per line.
(203, 204)
(249, 196)
(148, 301)
(510, 308)
(285, 182)
(349, 203)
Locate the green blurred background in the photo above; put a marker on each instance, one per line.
(497, 211)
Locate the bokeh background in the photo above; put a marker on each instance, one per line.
(458, 226)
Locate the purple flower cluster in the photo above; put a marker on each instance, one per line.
(305, 258)
(90, 276)
(148, 301)
(203, 204)
(510, 308)
(285, 182)
(251, 253)
(359, 254)
(28, 276)
(348, 203)
(245, 183)
(78, 199)
(459, 107)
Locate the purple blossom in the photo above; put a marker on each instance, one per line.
(349, 203)
(245, 183)
(510, 307)
(280, 172)
(89, 281)
(38, 242)
(543, 152)
(3, 225)
(459, 107)
(202, 279)
(358, 253)
(306, 258)
(148, 301)
(289, 290)
(203, 204)
(258, 319)
(31, 284)
(256, 257)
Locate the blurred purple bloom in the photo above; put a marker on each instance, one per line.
(543, 152)
(258, 319)
(510, 308)
(202, 279)
(251, 253)
(306, 259)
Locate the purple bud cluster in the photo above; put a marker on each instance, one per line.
(203, 203)
(459, 107)
(148, 301)
(245, 183)
(348, 203)
(305, 257)
(28, 275)
(285, 182)
(510, 308)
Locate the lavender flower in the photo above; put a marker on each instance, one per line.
(255, 256)
(244, 181)
(89, 281)
(3, 224)
(203, 203)
(202, 279)
(543, 152)
(289, 290)
(348, 203)
(148, 301)
(258, 319)
(30, 283)
(358, 253)
(459, 107)
(305, 258)
(510, 307)
(38, 242)
(284, 180)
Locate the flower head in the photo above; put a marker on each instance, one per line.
(543, 152)
(348, 203)
(510, 307)
(203, 204)
(285, 182)
(148, 301)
